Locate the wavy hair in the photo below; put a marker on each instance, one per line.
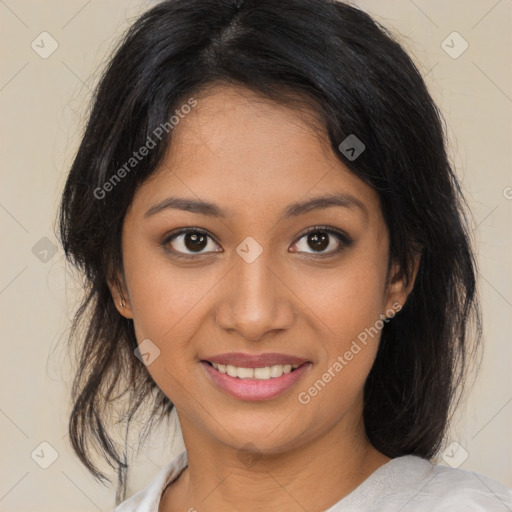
(357, 79)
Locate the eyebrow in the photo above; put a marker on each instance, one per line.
(293, 210)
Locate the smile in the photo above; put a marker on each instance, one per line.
(262, 383)
(263, 373)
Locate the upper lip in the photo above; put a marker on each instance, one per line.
(255, 360)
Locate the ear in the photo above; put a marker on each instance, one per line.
(401, 282)
(118, 290)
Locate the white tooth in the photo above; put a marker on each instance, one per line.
(231, 370)
(245, 373)
(276, 370)
(262, 373)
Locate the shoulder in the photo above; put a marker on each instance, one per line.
(148, 498)
(435, 487)
(413, 484)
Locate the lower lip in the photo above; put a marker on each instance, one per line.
(255, 389)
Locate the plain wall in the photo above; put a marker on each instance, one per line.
(43, 104)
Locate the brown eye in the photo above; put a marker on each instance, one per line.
(195, 241)
(319, 239)
(188, 243)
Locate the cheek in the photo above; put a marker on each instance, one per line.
(351, 299)
(163, 297)
(347, 306)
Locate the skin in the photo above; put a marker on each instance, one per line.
(255, 157)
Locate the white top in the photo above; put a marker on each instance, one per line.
(406, 484)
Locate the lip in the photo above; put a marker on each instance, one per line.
(255, 360)
(255, 389)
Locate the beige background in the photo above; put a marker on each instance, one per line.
(43, 104)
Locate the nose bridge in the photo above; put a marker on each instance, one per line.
(256, 280)
(256, 301)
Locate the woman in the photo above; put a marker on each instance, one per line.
(275, 244)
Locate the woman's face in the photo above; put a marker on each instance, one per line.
(253, 281)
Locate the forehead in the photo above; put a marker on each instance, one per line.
(247, 152)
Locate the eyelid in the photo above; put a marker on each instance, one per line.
(344, 239)
(328, 229)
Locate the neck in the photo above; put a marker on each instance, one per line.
(220, 477)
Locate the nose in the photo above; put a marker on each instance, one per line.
(256, 300)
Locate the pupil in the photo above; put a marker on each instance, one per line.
(194, 241)
(319, 242)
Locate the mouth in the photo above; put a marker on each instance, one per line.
(260, 383)
(258, 373)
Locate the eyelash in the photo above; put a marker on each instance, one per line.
(342, 237)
